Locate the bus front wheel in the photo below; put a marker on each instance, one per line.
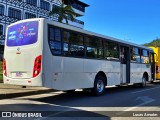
(99, 86)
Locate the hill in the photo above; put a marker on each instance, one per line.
(155, 43)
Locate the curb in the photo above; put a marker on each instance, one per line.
(22, 94)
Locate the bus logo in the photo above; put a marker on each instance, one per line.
(18, 49)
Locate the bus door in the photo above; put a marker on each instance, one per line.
(125, 64)
(153, 67)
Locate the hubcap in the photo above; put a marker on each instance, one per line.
(100, 86)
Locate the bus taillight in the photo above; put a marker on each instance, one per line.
(4, 67)
(37, 66)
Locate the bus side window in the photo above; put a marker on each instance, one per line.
(55, 40)
(73, 44)
(135, 54)
(111, 50)
(94, 47)
(91, 50)
(66, 35)
(145, 56)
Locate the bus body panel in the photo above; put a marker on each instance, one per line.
(147, 69)
(11, 55)
(73, 73)
(47, 60)
(123, 73)
(111, 69)
(138, 71)
(20, 59)
(65, 73)
(24, 82)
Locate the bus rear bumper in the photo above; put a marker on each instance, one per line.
(24, 82)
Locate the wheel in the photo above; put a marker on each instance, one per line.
(118, 85)
(99, 86)
(152, 82)
(23, 86)
(70, 91)
(144, 79)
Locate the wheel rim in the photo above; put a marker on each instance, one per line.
(100, 86)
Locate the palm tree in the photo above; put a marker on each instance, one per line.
(64, 12)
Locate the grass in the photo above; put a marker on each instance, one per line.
(1, 72)
(1, 78)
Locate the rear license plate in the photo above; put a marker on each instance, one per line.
(19, 74)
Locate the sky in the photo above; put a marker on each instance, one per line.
(136, 21)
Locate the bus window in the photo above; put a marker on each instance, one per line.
(111, 50)
(99, 48)
(73, 44)
(145, 56)
(57, 33)
(135, 55)
(22, 34)
(94, 47)
(55, 40)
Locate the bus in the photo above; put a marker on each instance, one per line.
(157, 60)
(39, 52)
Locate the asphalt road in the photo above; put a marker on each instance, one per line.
(118, 103)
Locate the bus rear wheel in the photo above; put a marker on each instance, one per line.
(99, 86)
(70, 91)
(144, 79)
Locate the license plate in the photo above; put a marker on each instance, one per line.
(19, 74)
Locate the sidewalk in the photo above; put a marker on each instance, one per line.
(11, 91)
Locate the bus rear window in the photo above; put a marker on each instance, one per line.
(22, 34)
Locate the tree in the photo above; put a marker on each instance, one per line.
(64, 12)
(154, 43)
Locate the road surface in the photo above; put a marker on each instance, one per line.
(118, 103)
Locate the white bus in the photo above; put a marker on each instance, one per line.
(39, 52)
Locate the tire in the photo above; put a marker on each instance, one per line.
(152, 82)
(144, 79)
(70, 91)
(99, 86)
(23, 86)
(118, 85)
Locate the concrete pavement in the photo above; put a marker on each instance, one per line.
(11, 91)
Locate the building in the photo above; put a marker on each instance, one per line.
(14, 10)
